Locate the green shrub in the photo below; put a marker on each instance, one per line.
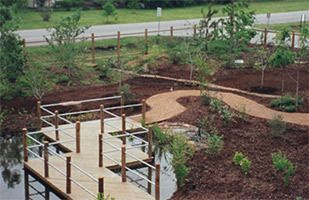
(277, 126)
(128, 95)
(177, 55)
(281, 163)
(238, 156)
(214, 143)
(215, 104)
(286, 103)
(226, 115)
(242, 161)
(104, 68)
(102, 197)
(205, 99)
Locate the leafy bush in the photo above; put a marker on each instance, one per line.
(286, 103)
(241, 160)
(238, 156)
(277, 125)
(281, 163)
(226, 115)
(177, 55)
(105, 70)
(214, 143)
(215, 104)
(69, 4)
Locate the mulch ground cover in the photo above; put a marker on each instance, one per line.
(216, 176)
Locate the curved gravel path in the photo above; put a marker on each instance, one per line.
(165, 105)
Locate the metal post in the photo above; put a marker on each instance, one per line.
(143, 112)
(102, 118)
(172, 31)
(101, 186)
(68, 178)
(57, 124)
(77, 126)
(157, 182)
(124, 138)
(100, 150)
(293, 40)
(123, 163)
(146, 41)
(265, 37)
(92, 48)
(46, 172)
(25, 145)
(149, 143)
(39, 114)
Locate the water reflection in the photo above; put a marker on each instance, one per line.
(10, 157)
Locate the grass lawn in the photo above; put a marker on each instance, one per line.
(279, 27)
(30, 19)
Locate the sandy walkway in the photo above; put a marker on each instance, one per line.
(164, 106)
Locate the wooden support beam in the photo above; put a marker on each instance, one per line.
(25, 144)
(77, 136)
(143, 111)
(102, 118)
(124, 138)
(146, 41)
(172, 31)
(101, 186)
(265, 37)
(122, 102)
(123, 164)
(157, 182)
(26, 184)
(100, 150)
(92, 48)
(68, 173)
(38, 113)
(149, 185)
(149, 143)
(293, 41)
(57, 124)
(46, 170)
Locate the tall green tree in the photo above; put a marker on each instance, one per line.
(109, 10)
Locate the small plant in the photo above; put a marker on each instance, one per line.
(206, 99)
(281, 163)
(277, 125)
(226, 115)
(214, 143)
(109, 10)
(242, 161)
(101, 197)
(215, 104)
(286, 103)
(125, 90)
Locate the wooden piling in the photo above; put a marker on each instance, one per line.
(118, 46)
(46, 170)
(93, 47)
(123, 164)
(293, 40)
(25, 144)
(143, 111)
(124, 138)
(149, 185)
(38, 113)
(102, 118)
(57, 124)
(157, 182)
(172, 31)
(101, 186)
(146, 41)
(68, 173)
(265, 37)
(100, 150)
(77, 136)
(149, 143)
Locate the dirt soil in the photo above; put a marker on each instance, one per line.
(216, 177)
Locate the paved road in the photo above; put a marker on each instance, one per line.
(38, 34)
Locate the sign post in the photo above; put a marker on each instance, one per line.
(268, 18)
(159, 14)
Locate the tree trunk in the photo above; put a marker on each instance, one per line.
(282, 80)
(262, 78)
(297, 88)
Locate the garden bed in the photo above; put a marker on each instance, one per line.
(216, 176)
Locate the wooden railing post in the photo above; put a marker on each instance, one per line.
(149, 143)
(57, 124)
(122, 102)
(293, 40)
(24, 43)
(92, 47)
(149, 185)
(100, 150)
(101, 186)
(77, 136)
(123, 164)
(143, 111)
(146, 41)
(124, 138)
(118, 46)
(157, 182)
(68, 178)
(38, 113)
(172, 31)
(194, 30)
(102, 118)
(25, 144)
(46, 171)
(265, 37)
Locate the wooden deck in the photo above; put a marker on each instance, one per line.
(87, 160)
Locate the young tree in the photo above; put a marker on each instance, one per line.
(262, 56)
(109, 10)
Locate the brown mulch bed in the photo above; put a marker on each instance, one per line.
(216, 177)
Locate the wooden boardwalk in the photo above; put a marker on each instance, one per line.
(88, 160)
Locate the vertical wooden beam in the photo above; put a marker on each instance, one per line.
(68, 173)
(101, 186)
(122, 102)
(100, 150)
(149, 143)
(172, 31)
(123, 164)
(146, 41)
(77, 136)
(265, 37)
(46, 171)
(293, 40)
(57, 124)
(26, 184)
(118, 46)
(149, 185)
(25, 144)
(93, 47)
(24, 43)
(157, 182)
(124, 138)
(194, 30)
(143, 111)
(38, 113)
(102, 118)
